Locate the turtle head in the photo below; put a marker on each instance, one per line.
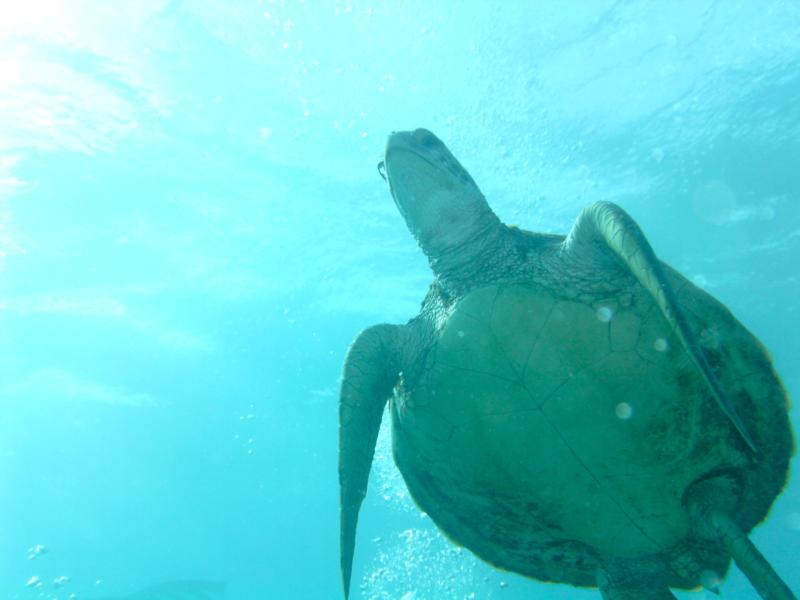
(438, 199)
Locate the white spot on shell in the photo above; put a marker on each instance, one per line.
(624, 411)
(661, 345)
(604, 314)
(710, 338)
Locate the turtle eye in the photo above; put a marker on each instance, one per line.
(382, 170)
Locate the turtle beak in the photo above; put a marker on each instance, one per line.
(382, 170)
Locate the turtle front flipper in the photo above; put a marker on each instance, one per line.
(604, 225)
(370, 373)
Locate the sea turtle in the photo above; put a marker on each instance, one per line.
(567, 407)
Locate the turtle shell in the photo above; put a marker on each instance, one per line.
(552, 436)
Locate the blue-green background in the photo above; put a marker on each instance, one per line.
(192, 230)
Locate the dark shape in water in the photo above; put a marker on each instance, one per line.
(566, 407)
(180, 590)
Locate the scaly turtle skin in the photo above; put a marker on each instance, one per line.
(568, 408)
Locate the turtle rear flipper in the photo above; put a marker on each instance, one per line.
(370, 373)
(711, 503)
(749, 560)
(604, 225)
(626, 582)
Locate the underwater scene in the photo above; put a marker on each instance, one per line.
(203, 203)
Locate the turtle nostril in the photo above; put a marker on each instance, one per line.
(428, 141)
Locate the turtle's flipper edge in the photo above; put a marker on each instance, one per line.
(370, 373)
(608, 224)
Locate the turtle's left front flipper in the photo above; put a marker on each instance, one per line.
(370, 373)
(602, 227)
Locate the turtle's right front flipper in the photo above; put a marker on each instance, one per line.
(370, 373)
(604, 225)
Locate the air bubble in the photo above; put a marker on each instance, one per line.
(624, 411)
(604, 314)
(460, 333)
(657, 154)
(35, 551)
(34, 582)
(661, 345)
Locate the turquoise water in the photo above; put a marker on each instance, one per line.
(192, 230)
